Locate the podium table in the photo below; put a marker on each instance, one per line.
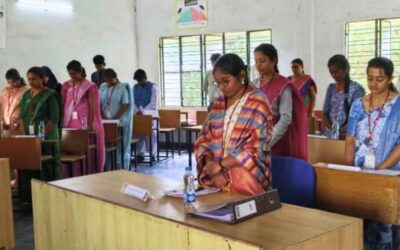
(90, 212)
(6, 216)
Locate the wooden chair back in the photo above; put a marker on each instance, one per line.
(11, 132)
(23, 153)
(111, 133)
(142, 125)
(201, 116)
(311, 125)
(326, 150)
(74, 140)
(169, 118)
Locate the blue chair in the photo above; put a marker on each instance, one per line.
(295, 181)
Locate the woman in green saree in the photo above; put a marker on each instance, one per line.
(41, 104)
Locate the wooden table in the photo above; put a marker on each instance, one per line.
(6, 216)
(189, 130)
(360, 194)
(90, 212)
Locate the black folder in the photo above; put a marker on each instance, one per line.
(243, 209)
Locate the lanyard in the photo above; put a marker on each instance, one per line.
(230, 117)
(11, 99)
(75, 95)
(371, 131)
(109, 97)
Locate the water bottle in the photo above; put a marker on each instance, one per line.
(335, 131)
(41, 133)
(189, 193)
(84, 123)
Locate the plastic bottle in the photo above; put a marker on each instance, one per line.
(189, 193)
(41, 130)
(335, 131)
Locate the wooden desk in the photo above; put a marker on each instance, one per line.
(6, 216)
(89, 212)
(189, 130)
(360, 194)
(325, 150)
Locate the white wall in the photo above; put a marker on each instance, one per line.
(224, 16)
(310, 29)
(36, 37)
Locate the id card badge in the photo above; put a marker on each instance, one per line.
(369, 161)
(108, 114)
(74, 115)
(31, 130)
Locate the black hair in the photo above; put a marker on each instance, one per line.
(140, 75)
(75, 65)
(109, 73)
(36, 71)
(99, 59)
(214, 57)
(387, 66)
(13, 74)
(299, 62)
(341, 62)
(48, 73)
(83, 72)
(233, 65)
(270, 51)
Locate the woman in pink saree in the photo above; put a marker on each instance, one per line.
(81, 105)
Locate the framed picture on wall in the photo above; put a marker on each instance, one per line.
(2, 23)
(191, 14)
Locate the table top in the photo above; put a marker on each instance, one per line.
(281, 228)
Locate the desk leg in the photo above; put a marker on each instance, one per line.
(189, 140)
(122, 149)
(395, 237)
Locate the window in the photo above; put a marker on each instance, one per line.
(184, 61)
(367, 39)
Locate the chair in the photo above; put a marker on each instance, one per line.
(201, 116)
(133, 149)
(74, 146)
(295, 181)
(170, 120)
(325, 150)
(311, 125)
(143, 126)
(23, 153)
(111, 138)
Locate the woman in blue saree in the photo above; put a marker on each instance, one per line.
(117, 103)
(373, 136)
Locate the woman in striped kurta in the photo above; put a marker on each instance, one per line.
(232, 149)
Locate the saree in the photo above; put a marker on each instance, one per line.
(34, 109)
(111, 100)
(10, 98)
(76, 99)
(247, 144)
(304, 85)
(294, 142)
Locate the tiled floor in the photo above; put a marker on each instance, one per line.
(172, 169)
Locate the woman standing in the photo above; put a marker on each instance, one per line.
(117, 103)
(50, 80)
(81, 107)
(10, 98)
(289, 136)
(305, 85)
(373, 136)
(40, 105)
(339, 97)
(232, 150)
